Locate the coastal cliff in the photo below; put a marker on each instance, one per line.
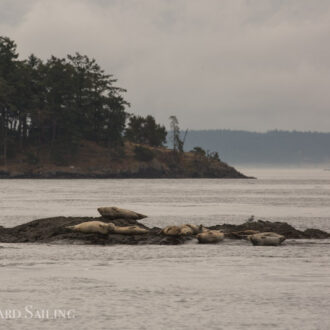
(132, 161)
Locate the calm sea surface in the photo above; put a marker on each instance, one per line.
(233, 285)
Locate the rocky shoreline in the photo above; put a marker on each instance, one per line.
(54, 230)
(94, 162)
(143, 174)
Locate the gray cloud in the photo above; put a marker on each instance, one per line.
(240, 64)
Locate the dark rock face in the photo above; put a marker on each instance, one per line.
(143, 173)
(281, 228)
(315, 233)
(53, 230)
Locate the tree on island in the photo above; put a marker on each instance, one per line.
(177, 141)
(145, 130)
(57, 103)
(199, 151)
(8, 91)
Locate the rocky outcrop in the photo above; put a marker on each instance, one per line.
(281, 228)
(315, 233)
(53, 230)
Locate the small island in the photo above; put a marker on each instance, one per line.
(65, 118)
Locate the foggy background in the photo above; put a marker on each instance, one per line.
(242, 64)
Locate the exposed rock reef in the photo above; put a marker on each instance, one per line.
(55, 229)
(281, 228)
(130, 231)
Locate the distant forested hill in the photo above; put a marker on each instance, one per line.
(65, 118)
(273, 147)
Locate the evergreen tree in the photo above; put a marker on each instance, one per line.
(8, 77)
(146, 131)
(59, 103)
(177, 141)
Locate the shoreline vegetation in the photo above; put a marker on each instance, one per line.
(60, 230)
(65, 118)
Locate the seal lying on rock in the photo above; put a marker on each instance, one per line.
(195, 229)
(186, 230)
(183, 230)
(172, 231)
(107, 228)
(268, 238)
(129, 230)
(210, 236)
(117, 213)
(93, 227)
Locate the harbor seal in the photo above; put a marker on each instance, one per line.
(107, 228)
(210, 236)
(130, 230)
(183, 230)
(172, 230)
(266, 239)
(118, 213)
(93, 227)
(195, 228)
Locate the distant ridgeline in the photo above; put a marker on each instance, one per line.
(270, 148)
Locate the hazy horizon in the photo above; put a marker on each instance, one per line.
(270, 149)
(255, 130)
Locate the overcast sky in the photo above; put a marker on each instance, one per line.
(236, 64)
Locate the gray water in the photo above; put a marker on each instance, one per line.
(233, 285)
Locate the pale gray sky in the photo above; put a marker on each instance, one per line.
(239, 64)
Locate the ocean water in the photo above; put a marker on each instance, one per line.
(232, 285)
